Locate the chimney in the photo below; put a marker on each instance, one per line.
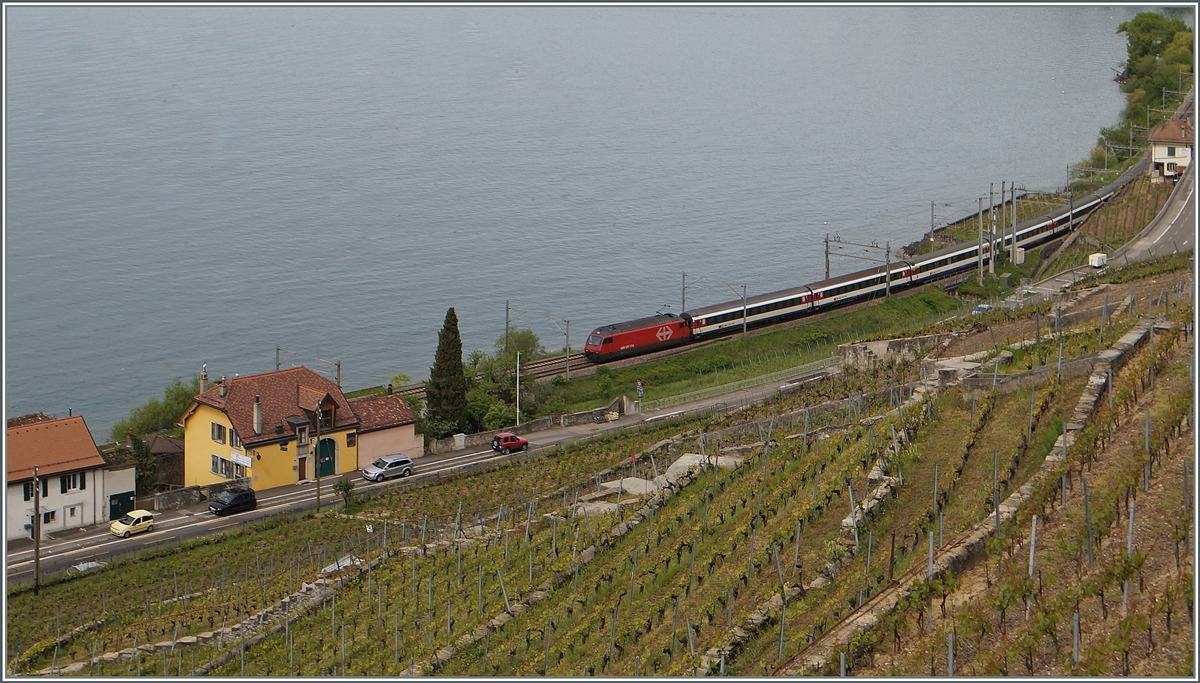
(389, 388)
(257, 416)
(203, 376)
(224, 388)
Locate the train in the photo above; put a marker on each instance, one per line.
(667, 330)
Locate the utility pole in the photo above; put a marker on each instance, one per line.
(683, 294)
(826, 256)
(992, 229)
(1071, 196)
(743, 311)
(518, 388)
(1003, 213)
(37, 531)
(887, 260)
(506, 326)
(568, 350)
(339, 374)
(317, 456)
(931, 222)
(1012, 190)
(277, 350)
(981, 241)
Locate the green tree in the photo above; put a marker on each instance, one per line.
(159, 415)
(147, 481)
(1149, 33)
(446, 388)
(344, 488)
(524, 341)
(398, 380)
(479, 403)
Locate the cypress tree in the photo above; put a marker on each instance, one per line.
(446, 390)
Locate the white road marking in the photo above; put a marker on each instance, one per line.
(1177, 213)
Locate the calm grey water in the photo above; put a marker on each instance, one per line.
(190, 184)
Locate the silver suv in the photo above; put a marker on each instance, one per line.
(387, 467)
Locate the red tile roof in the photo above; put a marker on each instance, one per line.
(283, 394)
(382, 412)
(55, 446)
(1173, 132)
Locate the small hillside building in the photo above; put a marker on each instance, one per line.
(1171, 148)
(75, 485)
(265, 427)
(387, 426)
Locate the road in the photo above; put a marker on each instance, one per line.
(95, 543)
(1173, 230)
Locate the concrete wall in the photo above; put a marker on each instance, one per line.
(480, 439)
(403, 439)
(172, 500)
(870, 355)
(980, 383)
(584, 417)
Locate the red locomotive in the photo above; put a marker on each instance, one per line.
(635, 337)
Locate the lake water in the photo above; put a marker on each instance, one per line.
(191, 184)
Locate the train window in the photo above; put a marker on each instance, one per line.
(593, 340)
(608, 340)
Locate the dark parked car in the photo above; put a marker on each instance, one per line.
(506, 442)
(233, 500)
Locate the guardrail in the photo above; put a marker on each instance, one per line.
(740, 384)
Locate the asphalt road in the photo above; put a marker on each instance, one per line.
(94, 543)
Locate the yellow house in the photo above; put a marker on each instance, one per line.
(266, 428)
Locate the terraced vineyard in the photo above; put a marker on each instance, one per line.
(820, 501)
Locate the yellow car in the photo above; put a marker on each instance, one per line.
(134, 522)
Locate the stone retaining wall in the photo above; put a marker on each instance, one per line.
(968, 547)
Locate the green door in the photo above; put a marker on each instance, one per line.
(326, 455)
(120, 504)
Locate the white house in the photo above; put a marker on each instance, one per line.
(77, 486)
(1171, 148)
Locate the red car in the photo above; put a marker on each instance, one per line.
(505, 442)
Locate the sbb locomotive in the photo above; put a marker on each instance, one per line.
(654, 333)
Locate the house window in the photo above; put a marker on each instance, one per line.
(239, 471)
(351, 439)
(27, 490)
(234, 439)
(1170, 151)
(222, 467)
(1171, 166)
(71, 511)
(327, 418)
(70, 482)
(48, 517)
(218, 432)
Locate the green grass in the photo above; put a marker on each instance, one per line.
(735, 358)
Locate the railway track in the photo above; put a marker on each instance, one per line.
(546, 368)
(541, 369)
